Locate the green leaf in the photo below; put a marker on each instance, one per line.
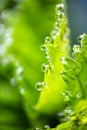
(57, 45)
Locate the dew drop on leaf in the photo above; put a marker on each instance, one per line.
(79, 38)
(59, 20)
(2, 29)
(48, 39)
(66, 96)
(22, 90)
(78, 95)
(48, 57)
(36, 128)
(5, 61)
(48, 69)
(20, 70)
(13, 81)
(46, 127)
(2, 50)
(43, 67)
(59, 15)
(53, 34)
(76, 48)
(39, 86)
(59, 7)
(56, 25)
(68, 111)
(43, 47)
(60, 114)
(63, 60)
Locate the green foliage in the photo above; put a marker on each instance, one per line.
(74, 75)
(75, 68)
(73, 72)
(10, 98)
(64, 89)
(56, 46)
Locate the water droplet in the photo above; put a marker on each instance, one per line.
(36, 128)
(59, 7)
(59, 15)
(60, 114)
(66, 96)
(46, 52)
(53, 34)
(39, 86)
(68, 111)
(8, 32)
(47, 127)
(48, 39)
(20, 70)
(22, 90)
(43, 67)
(48, 69)
(8, 41)
(78, 95)
(48, 57)
(79, 38)
(13, 81)
(63, 60)
(4, 14)
(76, 48)
(56, 25)
(65, 119)
(4, 61)
(2, 29)
(59, 20)
(2, 50)
(43, 47)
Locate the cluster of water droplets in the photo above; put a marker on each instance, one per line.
(46, 127)
(59, 17)
(11, 70)
(44, 67)
(5, 38)
(40, 85)
(78, 49)
(71, 65)
(56, 31)
(5, 32)
(59, 11)
(65, 115)
(66, 96)
(49, 40)
(73, 69)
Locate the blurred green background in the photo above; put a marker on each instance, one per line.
(23, 27)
